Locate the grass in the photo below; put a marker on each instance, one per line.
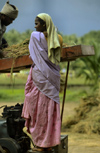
(17, 79)
(74, 94)
(12, 95)
(76, 81)
(17, 95)
(15, 92)
(20, 78)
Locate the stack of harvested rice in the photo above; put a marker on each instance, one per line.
(87, 117)
(18, 50)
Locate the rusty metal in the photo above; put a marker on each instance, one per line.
(63, 147)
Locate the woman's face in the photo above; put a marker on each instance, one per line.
(38, 26)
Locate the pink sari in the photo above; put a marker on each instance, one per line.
(41, 105)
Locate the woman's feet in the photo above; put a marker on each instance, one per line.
(40, 150)
(35, 150)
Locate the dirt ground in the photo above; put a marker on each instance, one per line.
(77, 143)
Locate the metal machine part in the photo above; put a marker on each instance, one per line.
(12, 137)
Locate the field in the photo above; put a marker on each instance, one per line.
(77, 142)
(12, 88)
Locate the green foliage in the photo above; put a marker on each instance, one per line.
(16, 79)
(71, 40)
(74, 94)
(89, 67)
(15, 37)
(91, 37)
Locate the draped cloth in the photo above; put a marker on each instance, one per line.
(54, 49)
(46, 74)
(41, 106)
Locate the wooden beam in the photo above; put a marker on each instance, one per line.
(77, 51)
(21, 62)
(67, 54)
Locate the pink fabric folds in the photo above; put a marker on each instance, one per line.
(44, 115)
(41, 107)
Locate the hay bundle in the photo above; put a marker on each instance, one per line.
(86, 106)
(87, 117)
(16, 51)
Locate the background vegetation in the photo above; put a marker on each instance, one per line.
(84, 73)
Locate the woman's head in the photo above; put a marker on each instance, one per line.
(46, 24)
(46, 19)
(40, 25)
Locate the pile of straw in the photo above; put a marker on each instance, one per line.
(16, 51)
(87, 116)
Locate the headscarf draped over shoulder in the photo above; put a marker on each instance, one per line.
(54, 48)
(10, 10)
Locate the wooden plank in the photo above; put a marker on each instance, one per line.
(17, 64)
(73, 52)
(67, 54)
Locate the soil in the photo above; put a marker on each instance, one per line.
(77, 143)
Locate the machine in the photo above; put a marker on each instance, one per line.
(12, 137)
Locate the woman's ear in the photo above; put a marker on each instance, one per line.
(44, 27)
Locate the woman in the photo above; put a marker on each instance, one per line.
(41, 107)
